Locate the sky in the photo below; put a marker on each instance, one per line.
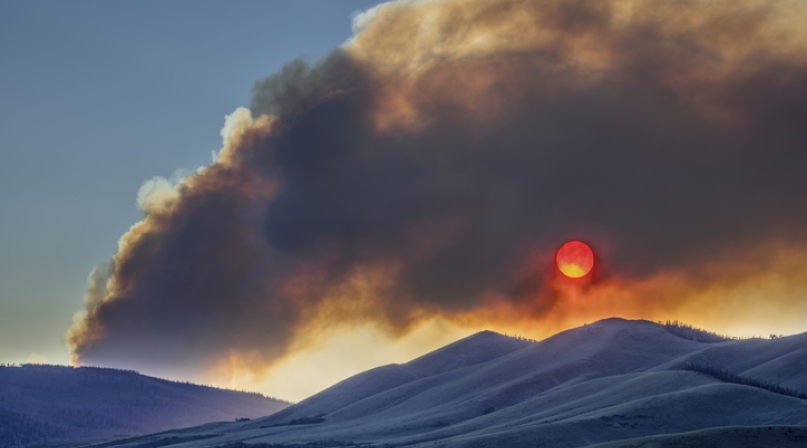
(98, 97)
(365, 187)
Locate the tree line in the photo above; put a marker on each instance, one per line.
(728, 377)
(692, 333)
(686, 331)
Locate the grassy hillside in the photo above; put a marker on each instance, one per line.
(729, 437)
(614, 380)
(56, 403)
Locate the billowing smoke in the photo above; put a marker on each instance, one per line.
(432, 165)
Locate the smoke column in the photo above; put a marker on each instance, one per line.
(432, 165)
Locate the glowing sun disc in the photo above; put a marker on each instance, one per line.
(575, 259)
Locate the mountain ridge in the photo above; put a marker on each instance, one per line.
(610, 380)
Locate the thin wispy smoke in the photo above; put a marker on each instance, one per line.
(432, 165)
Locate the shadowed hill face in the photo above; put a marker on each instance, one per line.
(54, 403)
(610, 380)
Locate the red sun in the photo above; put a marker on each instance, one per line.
(575, 259)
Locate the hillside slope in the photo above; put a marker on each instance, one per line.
(47, 403)
(611, 380)
(726, 437)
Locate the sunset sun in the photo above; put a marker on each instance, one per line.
(575, 259)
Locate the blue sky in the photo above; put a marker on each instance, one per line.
(97, 97)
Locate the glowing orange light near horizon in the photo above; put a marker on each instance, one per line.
(575, 259)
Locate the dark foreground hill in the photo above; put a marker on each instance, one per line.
(55, 403)
(614, 380)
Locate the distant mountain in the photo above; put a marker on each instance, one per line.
(609, 381)
(55, 403)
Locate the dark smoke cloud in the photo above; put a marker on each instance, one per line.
(434, 164)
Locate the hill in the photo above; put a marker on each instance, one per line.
(41, 404)
(613, 380)
(725, 437)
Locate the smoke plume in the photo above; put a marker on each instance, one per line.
(432, 165)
